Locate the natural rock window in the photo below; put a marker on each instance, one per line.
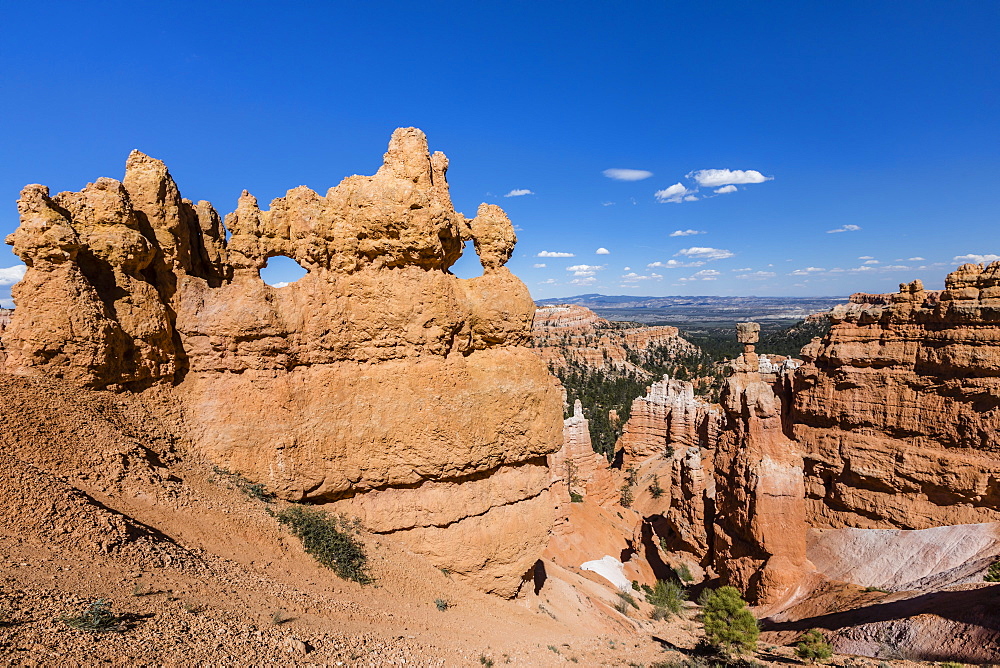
(281, 271)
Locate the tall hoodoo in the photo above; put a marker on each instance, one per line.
(379, 381)
(760, 523)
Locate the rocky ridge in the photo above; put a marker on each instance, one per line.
(382, 383)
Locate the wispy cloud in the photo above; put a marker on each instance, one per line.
(607, 203)
(555, 254)
(915, 259)
(757, 275)
(548, 281)
(11, 275)
(676, 193)
(806, 271)
(602, 251)
(866, 257)
(845, 228)
(971, 257)
(634, 277)
(519, 192)
(872, 262)
(705, 253)
(673, 264)
(539, 265)
(725, 189)
(686, 233)
(590, 280)
(703, 275)
(710, 178)
(627, 174)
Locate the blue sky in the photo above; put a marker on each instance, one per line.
(878, 119)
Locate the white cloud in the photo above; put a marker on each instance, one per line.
(706, 274)
(519, 192)
(845, 228)
(725, 189)
(872, 262)
(806, 271)
(895, 267)
(628, 268)
(583, 281)
(915, 259)
(607, 203)
(672, 264)
(280, 284)
(602, 251)
(555, 254)
(539, 265)
(549, 281)
(709, 178)
(971, 257)
(866, 257)
(676, 193)
(705, 253)
(634, 277)
(690, 198)
(686, 233)
(11, 275)
(585, 269)
(758, 275)
(627, 174)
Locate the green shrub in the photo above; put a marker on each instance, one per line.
(576, 497)
(683, 573)
(330, 539)
(813, 647)
(627, 598)
(993, 573)
(441, 604)
(666, 598)
(654, 488)
(97, 617)
(626, 496)
(254, 490)
(729, 624)
(486, 661)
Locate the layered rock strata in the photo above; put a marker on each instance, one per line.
(379, 381)
(575, 334)
(897, 410)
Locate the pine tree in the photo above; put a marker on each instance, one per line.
(729, 624)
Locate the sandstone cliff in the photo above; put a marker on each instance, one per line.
(379, 381)
(898, 409)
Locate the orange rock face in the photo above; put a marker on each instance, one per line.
(379, 382)
(897, 411)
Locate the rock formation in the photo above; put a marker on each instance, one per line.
(897, 410)
(573, 333)
(759, 537)
(576, 468)
(378, 382)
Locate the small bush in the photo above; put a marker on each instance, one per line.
(441, 604)
(626, 496)
(683, 573)
(635, 585)
(729, 624)
(654, 488)
(627, 598)
(96, 617)
(813, 647)
(993, 573)
(667, 598)
(486, 661)
(576, 497)
(254, 490)
(280, 617)
(330, 539)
